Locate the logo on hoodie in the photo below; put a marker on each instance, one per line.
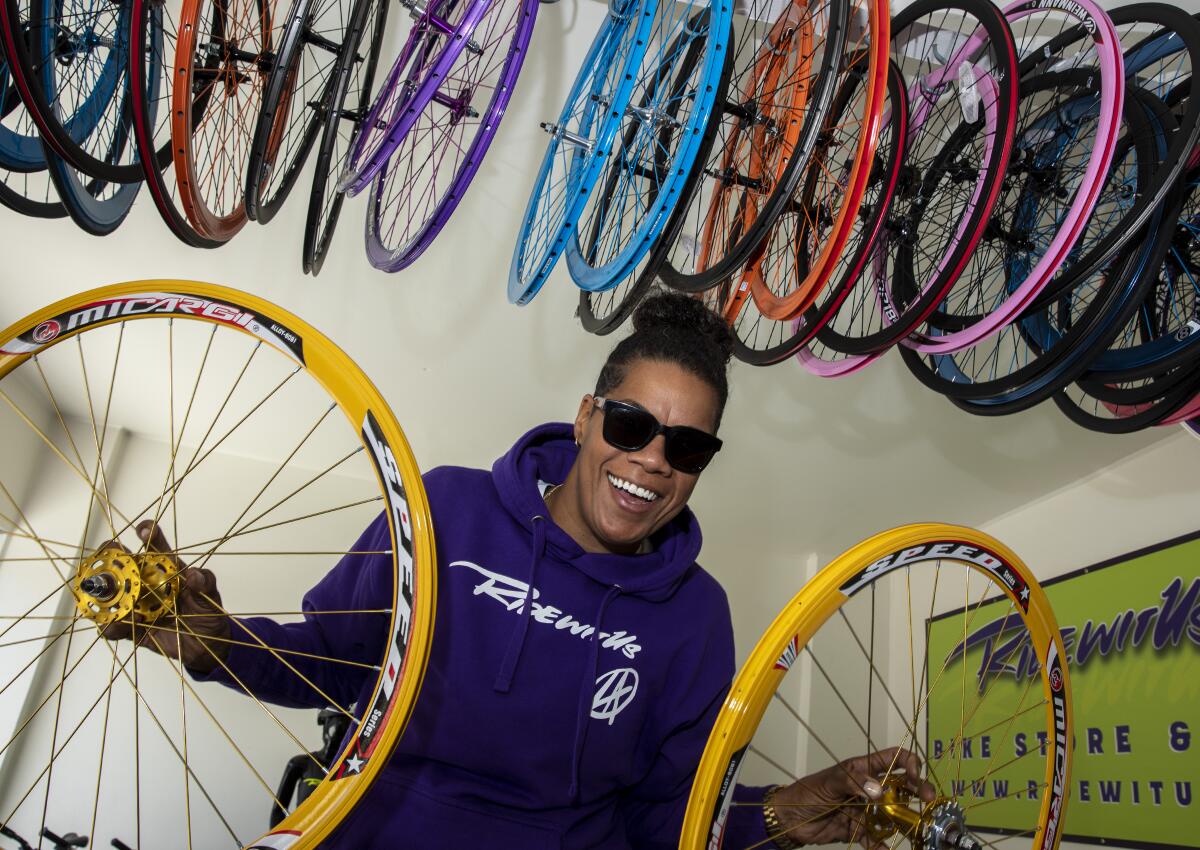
(512, 595)
(614, 690)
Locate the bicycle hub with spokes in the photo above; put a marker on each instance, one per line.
(938, 825)
(112, 584)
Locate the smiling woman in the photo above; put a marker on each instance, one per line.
(581, 653)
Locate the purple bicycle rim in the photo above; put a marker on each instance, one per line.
(393, 260)
(878, 266)
(1112, 94)
(360, 174)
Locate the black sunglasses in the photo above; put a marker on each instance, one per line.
(630, 428)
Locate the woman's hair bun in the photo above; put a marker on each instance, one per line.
(675, 312)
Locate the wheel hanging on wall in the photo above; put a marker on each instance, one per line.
(350, 95)
(431, 166)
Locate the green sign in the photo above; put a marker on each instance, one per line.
(1131, 629)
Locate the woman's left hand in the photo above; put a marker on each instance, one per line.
(828, 806)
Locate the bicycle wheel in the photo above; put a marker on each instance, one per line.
(223, 52)
(69, 62)
(1110, 417)
(1047, 347)
(152, 39)
(350, 95)
(761, 341)
(291, 116)
(33, 194)
(661, 137)
(219, 373)
(97, 206)
(985, 668)
(960, 63)
(827, 226)
(580, 142)
(785, 66)
(442, 31)
(25, 186)
(1089, 68)
(431, 166)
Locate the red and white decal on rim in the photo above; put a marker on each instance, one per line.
(790, 652)
(158, 303)
(394, 664)
(47, 331)
(277, 840)
(1057, 792)
(950, 550)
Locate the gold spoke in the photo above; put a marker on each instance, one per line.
(13, 532)
(993, 844)
(197, 459)
(112, 676)
(962, 734)
(49, 771)
(233, 642)
(194, 463)
(1003, 797)
(170, 480)
(184, 683)
(250, 694)
(141, 700)
(909, 725)
(838, 693)
(231, 532)
(820, 741)
(48, 697)
(54, 755)
(58, 412)
(344, 507)
(96, 441)
(773, 763)
(286, 613)
(290, 553)
(330, 700)
(36, 638)
(58, 453)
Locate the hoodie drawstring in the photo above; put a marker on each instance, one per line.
(583, 711)
(516, 641)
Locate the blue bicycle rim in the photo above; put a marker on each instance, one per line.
(593, 111)
(675, 31)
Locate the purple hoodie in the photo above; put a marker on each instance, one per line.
(574, 722)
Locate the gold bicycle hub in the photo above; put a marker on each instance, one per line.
(112, 584)
(938, 825)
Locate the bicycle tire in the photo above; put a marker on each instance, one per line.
(223, 50)
(151, 81)
(1046, 348)
(661, 137)
(434, 44)
(1103, 65)
(76, 111)
(767, 131)
(760, 341)
(290, 118)
(409, 203)
(352, 80)
(587, 125)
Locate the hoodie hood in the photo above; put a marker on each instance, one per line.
(546, 453)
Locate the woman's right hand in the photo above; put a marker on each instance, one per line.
(200, 634)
